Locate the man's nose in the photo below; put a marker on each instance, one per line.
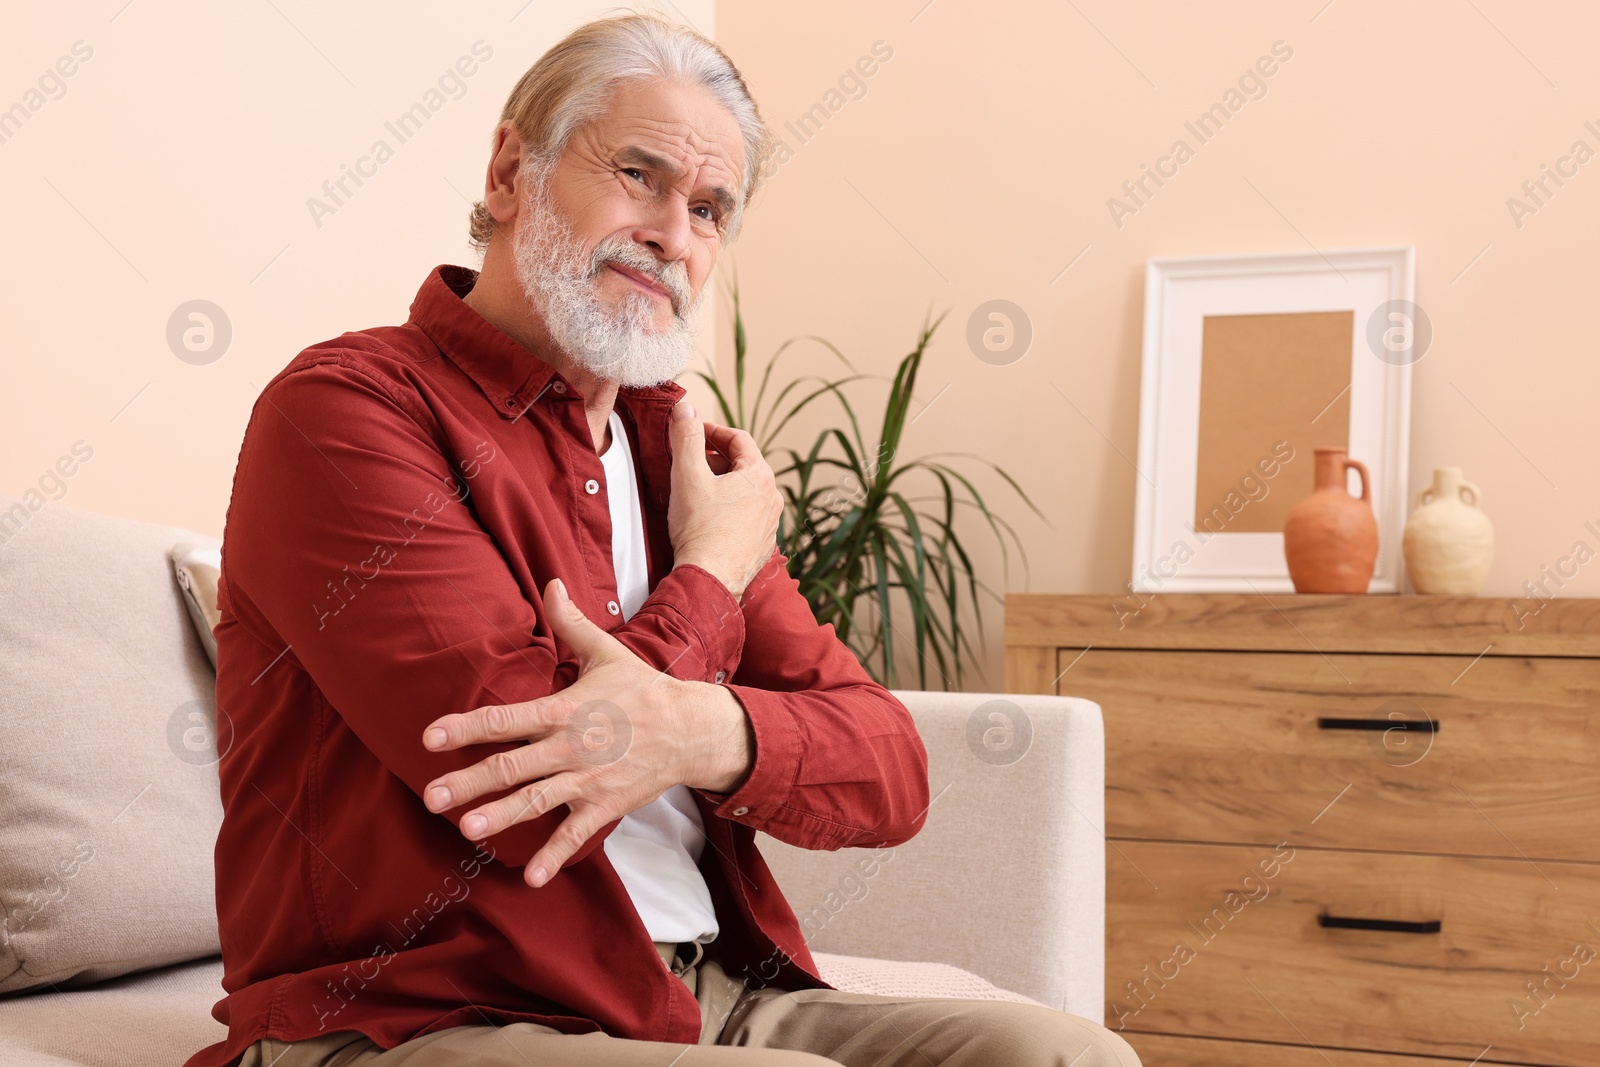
(665, 231)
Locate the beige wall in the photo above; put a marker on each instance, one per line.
(979, 160)
(176, 163)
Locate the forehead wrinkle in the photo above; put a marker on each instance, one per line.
(701, 149)
(674, 128)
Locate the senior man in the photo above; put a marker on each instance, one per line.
(514, 666)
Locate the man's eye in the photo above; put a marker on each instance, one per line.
(711, 212)
(634, 171)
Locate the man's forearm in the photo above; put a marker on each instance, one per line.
(689, 627)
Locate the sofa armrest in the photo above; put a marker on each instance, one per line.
(1006, 878)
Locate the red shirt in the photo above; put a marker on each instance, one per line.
(402, 495)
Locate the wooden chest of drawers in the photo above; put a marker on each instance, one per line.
(1346, 830)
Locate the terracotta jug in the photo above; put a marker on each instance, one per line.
(1331, 538)
(1449, 542)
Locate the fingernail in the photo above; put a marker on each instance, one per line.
(561, 592)
(473, 825)
(540, 876)
(683, 409)
(438, 798)
(435, 737)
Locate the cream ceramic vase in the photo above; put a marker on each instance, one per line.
(1449, 541)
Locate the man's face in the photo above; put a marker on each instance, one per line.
(615, 246)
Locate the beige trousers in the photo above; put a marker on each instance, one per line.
(759, 1027)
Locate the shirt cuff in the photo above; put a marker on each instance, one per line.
(775, 765)
(712, 614)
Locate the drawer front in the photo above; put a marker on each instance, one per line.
(1255, 747)
(1161, 1050)
(1231, 942)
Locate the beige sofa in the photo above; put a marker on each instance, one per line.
(109, 807)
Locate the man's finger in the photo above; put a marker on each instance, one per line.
(688, 440)
(581, 634)
(563, 844)
(737, 445)
(528, 720)
(503, 770)
(529, 802)
(531, 719)
(717, 461)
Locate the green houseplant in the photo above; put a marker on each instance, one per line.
(855, 540)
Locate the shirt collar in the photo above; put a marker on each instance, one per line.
(511, 377)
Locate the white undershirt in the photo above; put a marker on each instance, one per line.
(655, 848)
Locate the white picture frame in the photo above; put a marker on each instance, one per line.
(1179, 293)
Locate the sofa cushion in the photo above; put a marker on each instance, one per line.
(109, 800)
(158, 1018)
(163, 1017)
(895, 978)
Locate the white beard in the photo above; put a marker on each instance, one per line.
(560, 280)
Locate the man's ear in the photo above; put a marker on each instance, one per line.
(505, 163)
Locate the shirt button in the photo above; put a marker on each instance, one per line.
(721, 675)
(611, 606)
(741, 810)
(591, 487)
(559, 387)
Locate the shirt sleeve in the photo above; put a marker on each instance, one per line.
(838, 762)
(349, 542)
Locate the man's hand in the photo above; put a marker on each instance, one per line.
(724, 519)
(616, 739)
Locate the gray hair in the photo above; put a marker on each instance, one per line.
(572, 84)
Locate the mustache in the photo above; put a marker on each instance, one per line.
(673, 276)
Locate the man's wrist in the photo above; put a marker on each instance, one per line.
(734, 586)
(721, 739)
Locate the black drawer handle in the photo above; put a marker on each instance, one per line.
(1421, 726)
(1393, 926)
